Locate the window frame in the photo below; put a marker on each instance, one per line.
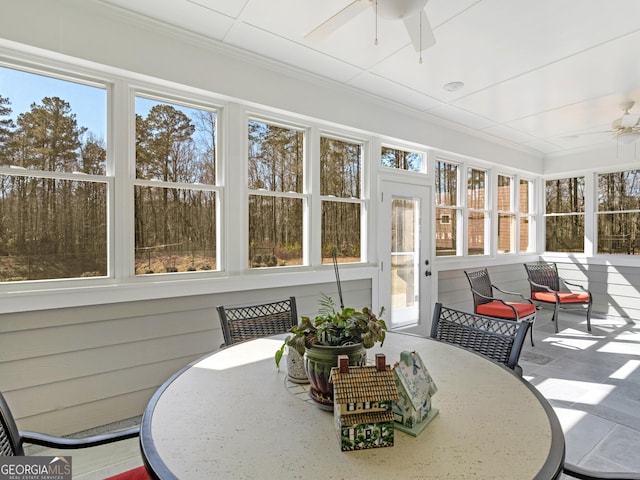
(79, 77)
(304, 196)
(510, 212)
(457, 209)
(162, 97)
(530, 215)
(584, 214)
(363, 202)
(598, 213)
(413, 150)
(485, 212)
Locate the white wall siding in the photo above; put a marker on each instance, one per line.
(67, 370)
(615, 286)
(454, 290)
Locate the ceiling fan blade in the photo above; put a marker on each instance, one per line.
(417, 25)
(326, 28)
(629, 120)
(612, 132)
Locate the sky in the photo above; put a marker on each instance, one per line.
(88, 103)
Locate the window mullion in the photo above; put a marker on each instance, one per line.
(236, 233)
(590, 209)
(121, 165)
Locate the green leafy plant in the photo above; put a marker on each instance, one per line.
(332, 327)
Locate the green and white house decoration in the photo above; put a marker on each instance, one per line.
(413, 410)
(363, 397)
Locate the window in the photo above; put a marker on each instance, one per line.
(53, 183)
(175, 193)
(341, 198)
(506, 215)
(276, 200)
(447, 207)
(401, 159)
(477, 213)
(526, 219)
(564, 215)
(618, 214)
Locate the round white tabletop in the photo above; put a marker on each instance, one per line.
(233, 415)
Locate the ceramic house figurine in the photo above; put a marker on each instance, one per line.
(413, 410)
(363, 398)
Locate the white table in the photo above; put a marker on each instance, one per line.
(231, 415)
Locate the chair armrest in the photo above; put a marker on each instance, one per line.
(52, 441)
(475, 292)
(539, 285)
(575, 285)
(575, 471)
(526, 300)
(496, 299)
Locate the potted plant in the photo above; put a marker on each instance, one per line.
(333, 332)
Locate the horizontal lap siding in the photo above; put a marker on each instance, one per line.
(68, 370)
(454, 290)
(615, 288)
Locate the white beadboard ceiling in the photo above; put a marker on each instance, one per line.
(541, 74)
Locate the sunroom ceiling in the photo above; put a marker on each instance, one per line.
(544, 75)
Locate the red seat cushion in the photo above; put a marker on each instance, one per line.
(499, 309)
(565, 297)
(139, 473)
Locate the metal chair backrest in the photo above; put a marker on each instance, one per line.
(10, 444)
(499, 340)
(480, 283)
(543, 274)
(246, 322)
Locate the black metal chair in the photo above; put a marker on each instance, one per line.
(547, 291)
(246, 322)
(500, 340)
(487, 304)
(574, 471)
(12, 439)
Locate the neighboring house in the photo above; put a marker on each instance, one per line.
(413, 410)
(363, 399)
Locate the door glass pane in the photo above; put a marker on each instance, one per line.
(405, 257)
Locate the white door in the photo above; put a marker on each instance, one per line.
(405, 263)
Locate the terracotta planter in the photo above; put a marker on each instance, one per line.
(318, 361)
